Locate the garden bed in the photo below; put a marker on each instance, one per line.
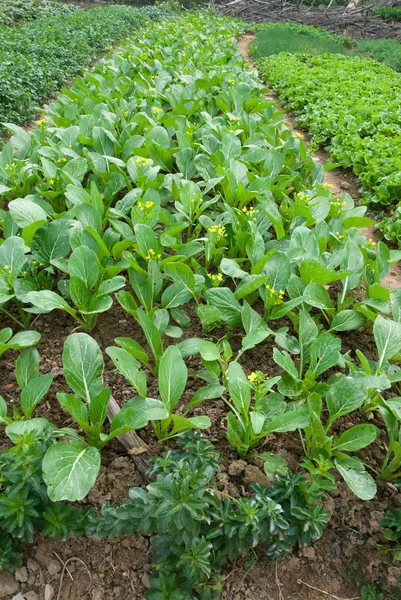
(150, 186)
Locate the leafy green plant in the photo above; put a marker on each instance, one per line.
(247, 424)
(36, 60)
(15, 12)
(331, 451)
(25, 506)
(89, 288)
(344, 112)
(172, 379)
(24, 339)
(391, 527)
(204, 530)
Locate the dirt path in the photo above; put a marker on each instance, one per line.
(341, 180)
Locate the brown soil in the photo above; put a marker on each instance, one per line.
(338, 563)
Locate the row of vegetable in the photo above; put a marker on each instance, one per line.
(37, 58)
(356, 112)
(164, 178)
(15, 12)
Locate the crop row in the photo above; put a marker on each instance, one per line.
(14, 12)
(36, 59)
(356, 112)
(164, 178)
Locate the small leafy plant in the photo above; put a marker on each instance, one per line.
(198, 530)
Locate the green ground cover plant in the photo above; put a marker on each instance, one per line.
(288, 37)
(165, 181)
(390, 13)
(356, 113)
(15, 12)
(36, 59)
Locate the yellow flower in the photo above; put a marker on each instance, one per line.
(41, 122)
(299, 135)
(219, 229)
(51, 181)
(231, 81)
(217, 278)
(6, 267)
(328, 186)
(252, 376)
(149, 204)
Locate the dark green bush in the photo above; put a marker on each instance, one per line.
(36, 59)
(14, 12)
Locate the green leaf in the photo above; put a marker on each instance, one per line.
(181, 274)
(284, 360)
(24, 212)
(209, 351)
(52, 241)
(355, 476)
(175, 295)
(208, 392)
(347, 320)
(173, 375)
(239, 387)
(314, 271)
(83, 264)
(47, 301)
(76, 408)
(24, 339)
(324, 353)
(316, 295)
(387, 336)
(344, 396)
(128, 366)
(289, 421)
(33, 393)
(273, 463)
(356, 438)
(3, 408)
(70, 470)
(152, 334)
(83, 365)
(98, 408)
(229, 307)
(182, 423)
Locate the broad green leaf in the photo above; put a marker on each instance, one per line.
(273, 463)
(33, 393)
(387, 336)
(70, 470)
(229, 307)
(128, 366)
(83, 264)
(76, 408)
(21, 428)
(355, 476)
(239, 388)
(3, 408)
(181, 423)
(83, 365)
(289, 421)
(175, 295)
(98, 408)
(24, 212)
(284, 360)
(347, 320)
(181, 274)
(344, 396)
(316, 295)
(48, 300)
(314, 271)
(355, 438)
(173, 375)
(51, 242)
(209, 351)
(24, 339)
(325, 352)
(208, 392)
